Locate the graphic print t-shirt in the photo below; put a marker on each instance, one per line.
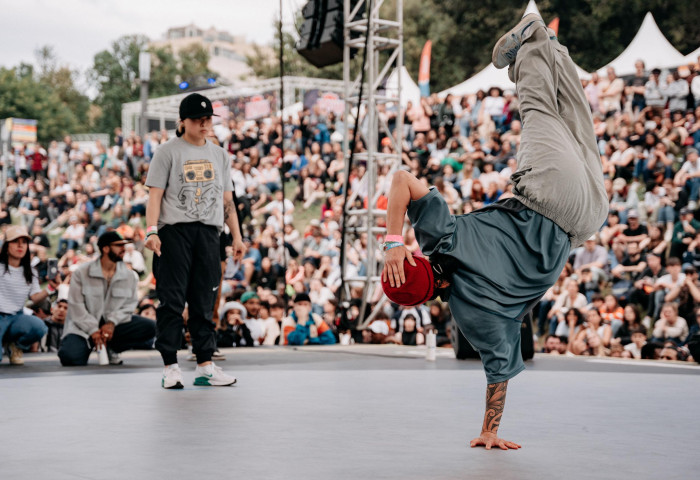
(194, 179)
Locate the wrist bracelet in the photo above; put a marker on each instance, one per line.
(389, 245)
(50, 289)
(151, 233)
(152, 229)
(393, 238)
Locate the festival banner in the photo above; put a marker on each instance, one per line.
(326, 101)
(424, 70)
(257, 107)
(222, 110)
(21, 130)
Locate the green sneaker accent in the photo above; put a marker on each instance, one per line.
(203, 381)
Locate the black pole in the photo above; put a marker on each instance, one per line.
(282, 169)
(353, 144)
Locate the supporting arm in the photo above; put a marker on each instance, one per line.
(495, 402)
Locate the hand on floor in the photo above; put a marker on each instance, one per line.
(489, 440)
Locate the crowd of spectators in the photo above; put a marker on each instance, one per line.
(631, 291)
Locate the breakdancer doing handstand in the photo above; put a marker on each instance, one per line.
(496, 263)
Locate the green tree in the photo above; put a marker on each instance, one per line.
(23, 96)
(63, 80)
(115, 75)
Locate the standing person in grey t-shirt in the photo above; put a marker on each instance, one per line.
(190, 198)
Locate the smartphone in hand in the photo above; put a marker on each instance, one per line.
(52, 268)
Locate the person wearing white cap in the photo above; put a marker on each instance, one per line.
(593, 257)
(19, 282)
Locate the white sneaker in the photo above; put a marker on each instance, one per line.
(212, 376)
(507, 47)
(172, 377)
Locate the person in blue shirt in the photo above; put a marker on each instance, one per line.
(303, 327)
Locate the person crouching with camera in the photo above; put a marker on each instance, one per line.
(101, 301)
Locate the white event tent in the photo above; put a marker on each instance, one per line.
(409, 88)
(692, 57)
(650, 45)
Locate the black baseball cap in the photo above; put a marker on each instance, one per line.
(302, 297)
(196, 106)
(110, 238)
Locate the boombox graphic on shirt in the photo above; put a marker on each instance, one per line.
(199, 193)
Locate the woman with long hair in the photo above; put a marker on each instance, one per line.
(19, 282)
(594, 338)
(631, 322)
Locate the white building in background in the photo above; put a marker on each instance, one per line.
(227, 52)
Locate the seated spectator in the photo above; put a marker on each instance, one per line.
(644, 286)
(568, 299)
(573, 319)
(72, 237)
(408, 333)
(233, 331)
(670, 326)
(101, 302)
(670, 353)
(631, 321)
(55, 323)
(551, 345)
(440, 319)
(612, 229)
(686, 295)
(594, 338)
(376, 333)
(635, 232)
(549, 298)
(304, 327)
(688, 176)
(587, 285)
(593, 257)
(319, 295)
(273, 324)
(18, 283)
(666, 283)
(252, 260)
(421, 316)
(134, 259)
(684, 232)
(638, 337)
(251, 303)
(612, 313)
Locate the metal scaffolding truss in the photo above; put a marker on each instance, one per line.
(383, 40)
(166, 108)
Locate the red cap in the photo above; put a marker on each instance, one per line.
(418, 287)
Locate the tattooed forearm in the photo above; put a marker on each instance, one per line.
(495, 401)
(229, 209)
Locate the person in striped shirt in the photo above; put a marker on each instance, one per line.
(18, 283)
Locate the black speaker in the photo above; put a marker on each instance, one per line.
(321, 35)
(463, 349)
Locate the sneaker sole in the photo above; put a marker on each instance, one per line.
(204, 382)
(525, 22)
(177, 386)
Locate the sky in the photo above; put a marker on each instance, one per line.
(78, 29)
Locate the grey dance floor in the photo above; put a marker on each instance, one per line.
(362, 412)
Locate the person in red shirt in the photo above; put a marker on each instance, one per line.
(37, 161)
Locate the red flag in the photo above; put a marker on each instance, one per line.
(554, 25)
(424, 70)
